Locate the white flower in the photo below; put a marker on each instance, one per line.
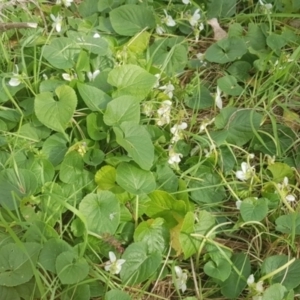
(201, 27)
(96, 35)
(259, 287)
(195, 18)
(147, 108)
(169, 20)
(290, 198)
(15, 81)
(68, 77)
(160, 30)
(271, 159)
(164, 113)
(176, 130)
(57, 22)
(165, 107)
(285, 188)
(181, 279)
(250, 279)
(238, 204)
(251, 156)
(156, 85)
(200, 56)
(91, 76)
(267, 6)
(218, 99)
(174, 158)
(114, 265)
(186, 2)
(212, 149)
(256, 288)
(246, 172)
(168, 89)
(205, 123)
(67, 3)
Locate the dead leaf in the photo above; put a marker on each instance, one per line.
(219, 33)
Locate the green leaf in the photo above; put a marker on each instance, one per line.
(166, 178)
(61, 53)
(255, 37)
(289, 223)
(240, 70)
(289, 277)
(226, 50)
(56, 114)
(228, 84)
(71, 169)
(43, 169)
(191, 244)
(240, 124)
(51, 249)
(276, 42)
(16, 264)
(93, 157)
(280, 170)
(233, 286)
(70, 268)
(139, 43)
(209, 189)
(40, 232)
(55, 148)
(170, 54)
(275, 292)
(221, 8)
(135, 180)
(163, 205)
(9, 293)
(131, 80)
(16, 185)
(97, 46)
(106, 179)
(136, 140)
(130, 19)
(199, 98)
(102, 212)
(140, 264)
(95, 99)
(96, 127)
(116, 294)
(33, 132)
(253, 209)
(121, 109)
(78, 292)
(154, 233)
(220, 269)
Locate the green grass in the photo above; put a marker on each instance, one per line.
(161, 178)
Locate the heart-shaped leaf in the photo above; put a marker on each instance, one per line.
(136, 140)
(135, 180)
(102, 212)
(219, 270)
(253, 209)
(70, 268)
(140, 264)
(56, 114)
(121, 109)
(16, 264)
(131, 19)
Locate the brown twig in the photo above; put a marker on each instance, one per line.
(7, 26)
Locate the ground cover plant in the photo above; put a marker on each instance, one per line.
(149, 149)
